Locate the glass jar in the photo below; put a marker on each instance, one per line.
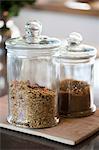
(76, 63)
(32, 79)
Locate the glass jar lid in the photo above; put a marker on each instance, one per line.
(74, 49)
(33, 38)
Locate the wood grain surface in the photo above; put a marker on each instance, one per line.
(59, 6)
(68, 131)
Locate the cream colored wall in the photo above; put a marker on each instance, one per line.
(61, 24)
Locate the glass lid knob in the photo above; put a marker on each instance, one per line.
(33, 31)
(74, 39)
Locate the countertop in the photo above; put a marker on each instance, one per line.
(10, 140)
(69, 6)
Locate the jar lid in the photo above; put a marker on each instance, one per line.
(33, 38)
(75, 50)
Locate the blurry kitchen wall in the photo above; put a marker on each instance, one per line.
(61, 24)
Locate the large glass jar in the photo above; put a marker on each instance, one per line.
(76, 63)
(32, 79)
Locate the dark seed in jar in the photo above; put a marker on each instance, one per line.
(74, 96)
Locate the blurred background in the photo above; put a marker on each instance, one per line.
(59, 18)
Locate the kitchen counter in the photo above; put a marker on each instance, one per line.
(69, 6)
(11, 140)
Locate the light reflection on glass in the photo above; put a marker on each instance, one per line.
(0, 38)
(2, 82)
(1, 23)
(13, 28)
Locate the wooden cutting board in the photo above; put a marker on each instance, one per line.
(68, 131)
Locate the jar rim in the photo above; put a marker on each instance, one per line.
(20, 43)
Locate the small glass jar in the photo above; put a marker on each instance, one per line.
(32, 79)
(76, 63)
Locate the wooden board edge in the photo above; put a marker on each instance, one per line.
(39, 134)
